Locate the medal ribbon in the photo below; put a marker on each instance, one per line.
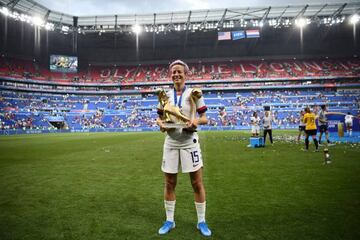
(175, 97)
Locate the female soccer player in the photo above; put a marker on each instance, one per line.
(301, 125)
(183, 145)
(310, 128)
(349, 123)
(255, 124)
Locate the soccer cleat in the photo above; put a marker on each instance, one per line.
(166, 227)
(204, 229)
(316, 150)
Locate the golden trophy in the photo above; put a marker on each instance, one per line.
(173, 117)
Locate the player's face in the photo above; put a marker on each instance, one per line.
(178, 74)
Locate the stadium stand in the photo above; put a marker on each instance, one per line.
(230, 70)
(41, 111)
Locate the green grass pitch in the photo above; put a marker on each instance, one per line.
(110, 186)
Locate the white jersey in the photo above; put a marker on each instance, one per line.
(301, 123)
(255, 121)
(348, 118)
(322, 118)
(267, 122)
(178, 138)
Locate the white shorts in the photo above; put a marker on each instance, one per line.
(255, 129)
(349, 123)
(189, 158)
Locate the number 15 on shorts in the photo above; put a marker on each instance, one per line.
(195, 158)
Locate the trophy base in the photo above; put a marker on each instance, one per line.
(174, 125)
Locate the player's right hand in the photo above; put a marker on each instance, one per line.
(161, 125)
(162, 129)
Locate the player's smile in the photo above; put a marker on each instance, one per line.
(177, 74)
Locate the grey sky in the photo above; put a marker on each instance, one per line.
(110, 7)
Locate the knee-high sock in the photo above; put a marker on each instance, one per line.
(200, 210)
(307, 142)
(170, 210)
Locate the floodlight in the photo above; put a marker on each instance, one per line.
(301, 22)
(5, 11)
(354, 19)
(37, 21)
(65, 28)
(49, 26)
(136, 29)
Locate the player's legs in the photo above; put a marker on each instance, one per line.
(349, 128)
(198, 186)
(170, 185)
(169, 202)
(327, 136)
(253, 131)
(169, 166)
(306, 141)
(299, 135)
(257, 130)
(270, 136)
(320, 136)
(315, 141)
(265, 133)
(200, 201)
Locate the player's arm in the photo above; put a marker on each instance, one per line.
(194, 123)
(201, 110)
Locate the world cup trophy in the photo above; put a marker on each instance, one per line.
(173, 116)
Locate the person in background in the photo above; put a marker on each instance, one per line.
(349, 123)
(323, 124)
(255, 125)
(267, 121)
(310, 129)
(301, 125)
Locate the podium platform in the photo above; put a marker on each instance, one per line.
(256, 142)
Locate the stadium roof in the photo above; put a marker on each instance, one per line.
(214, 16)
